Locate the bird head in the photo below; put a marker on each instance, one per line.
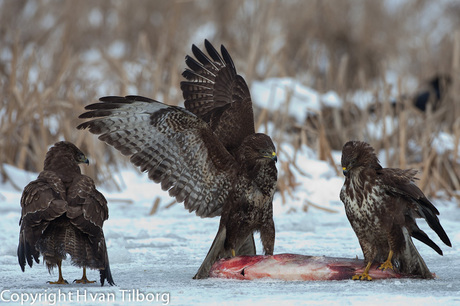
(358, 154)
(81, 158)
(269, 153)
(258, 148)
(70, 148)
(64, 155)
(263, 147)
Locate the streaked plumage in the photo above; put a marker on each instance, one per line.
(63, 213)
(207, 155)
(382, 205)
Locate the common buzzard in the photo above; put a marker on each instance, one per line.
(207, 155)
(63, 213)
(382, 205)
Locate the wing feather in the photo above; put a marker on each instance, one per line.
(87, 206)
(218, 95)
(175, 147)
(402, 184)
(42, 201)
(206, 61)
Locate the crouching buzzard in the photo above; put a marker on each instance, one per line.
(207, 155)
(62, 213)
(382, 205)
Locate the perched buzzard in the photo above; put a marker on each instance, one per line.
(207, 155)
(62, 213)
(382, 205)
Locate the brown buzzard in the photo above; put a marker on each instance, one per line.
(382, 205)
(207, 155)
(63, 213)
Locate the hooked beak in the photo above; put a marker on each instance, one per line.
(272, 156)
(345, 171)
(84, 160)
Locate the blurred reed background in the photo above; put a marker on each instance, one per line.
(58, 56)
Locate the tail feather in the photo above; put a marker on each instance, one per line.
(216, 252)
(409, 260)
(100, 252)
(26, 252)
(433, 222)
(248, 247)
(106, 274)
(21, 254)
(423, 237)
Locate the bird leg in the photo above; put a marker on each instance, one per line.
(61, 280)
(365, 274)
(387, 264)
(233, 253)
(83, 279)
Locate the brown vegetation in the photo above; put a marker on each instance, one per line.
(57, 56)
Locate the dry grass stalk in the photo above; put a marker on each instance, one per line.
(59, 56)
(308, 204)
(155, 206)
(171, 204)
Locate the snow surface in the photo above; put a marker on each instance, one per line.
(159, 254)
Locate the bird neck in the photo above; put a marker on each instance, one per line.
(261, 173)
(64, 166)
(359, 176)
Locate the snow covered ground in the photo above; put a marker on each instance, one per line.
(153, 258)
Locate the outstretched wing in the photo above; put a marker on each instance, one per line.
(42, 201)
(176, 148)
(218, 95)
(400, 184)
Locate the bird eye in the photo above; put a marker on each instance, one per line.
(351, 164)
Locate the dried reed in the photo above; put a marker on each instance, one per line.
(58, 56)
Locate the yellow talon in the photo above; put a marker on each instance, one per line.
(61, 280)
(364, 275)
(387, 264)
(233, 253)
(83, 279)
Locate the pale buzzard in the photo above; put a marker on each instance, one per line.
(382, 205)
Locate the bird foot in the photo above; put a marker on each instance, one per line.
(60, 281)
(363, 276)
(386, 265)
(83, 280)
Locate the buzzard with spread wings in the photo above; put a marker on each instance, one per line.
(206, 155)
(63, 213)
(382, 205)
